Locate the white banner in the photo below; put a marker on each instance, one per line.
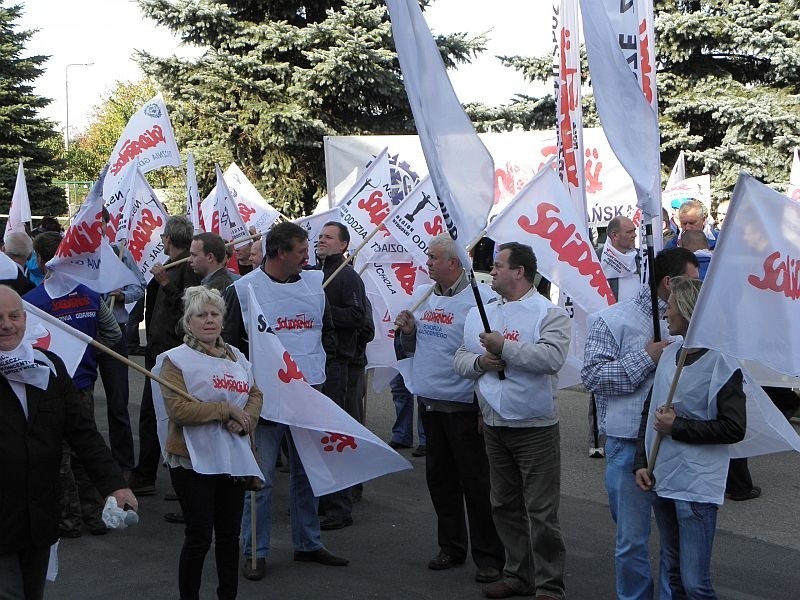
(542, 216)
(697, 188)
(19, 212)
(337, 452)
(749, 305)
(148, 140)
(517, 157)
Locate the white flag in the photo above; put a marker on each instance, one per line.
(367, 203)
(794, 177)
(416, 220)
(460, 166)
(49, 333)
(569, 113)
(542, 216)
(19, 212)
(193, 196)
(749, 304)
(678, 172)
(147, 219)
(254, 210)
(629, 120)
(223, 218)
(78, 254)
(148, 140)
(396, 283)
(117, 205)
(337, 452)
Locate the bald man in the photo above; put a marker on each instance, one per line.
(619, 258)
(30, 452)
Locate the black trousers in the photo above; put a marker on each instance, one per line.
(22, 574)
(149, 446)
(211, 504)
(457, 472)
(115, 382)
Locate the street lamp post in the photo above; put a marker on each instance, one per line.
(66, 97)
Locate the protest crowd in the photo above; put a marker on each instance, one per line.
(259, 332)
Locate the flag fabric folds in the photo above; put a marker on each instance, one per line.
(629, 120)
(749, 304)
(19, 212)
(460, 166)
(337, 452)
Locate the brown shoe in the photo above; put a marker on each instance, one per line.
(502, 590)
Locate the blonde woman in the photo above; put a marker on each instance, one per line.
(207, 445)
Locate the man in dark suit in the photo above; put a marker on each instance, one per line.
(39, 408)
(207, 259)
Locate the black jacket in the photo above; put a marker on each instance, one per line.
(30, 456)
(348, 302)
(163, 309)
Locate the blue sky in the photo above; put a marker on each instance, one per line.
(106, 32)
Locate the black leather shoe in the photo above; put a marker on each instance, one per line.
(418, 451)
(398, 446)
(331, 523)
(321, 556)
(254, 574)
(488, 575)
(748, 495)
(443, 561)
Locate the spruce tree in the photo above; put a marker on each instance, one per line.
(275, 77)
(728, 89)
(22, 133)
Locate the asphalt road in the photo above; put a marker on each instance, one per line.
(756, 553)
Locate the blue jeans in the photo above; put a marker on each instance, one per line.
(403, 428)
(630, 509)
(687, 537)
(302, 503)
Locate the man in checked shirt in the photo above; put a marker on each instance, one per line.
(619, 362)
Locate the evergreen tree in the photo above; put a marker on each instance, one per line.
(728, 88)
(275, 78)
(22, 133)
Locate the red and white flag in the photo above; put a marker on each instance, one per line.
(19, 212)
(148, 140)
(193, 196)
(794, 177)
(416, 220)
(629, 120)
(337, 451)
(147, 219)
(569, 113)
(367, 203)
(396, 283)
(254, 210)
(116, 205)
(542, 216)
(459, 164)
(749, 305)
(49, 333)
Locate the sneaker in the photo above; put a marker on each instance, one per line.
(596, 453)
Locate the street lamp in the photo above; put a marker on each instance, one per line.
(66, 86)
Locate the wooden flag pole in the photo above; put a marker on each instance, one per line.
(231, 243)
(659, 436)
